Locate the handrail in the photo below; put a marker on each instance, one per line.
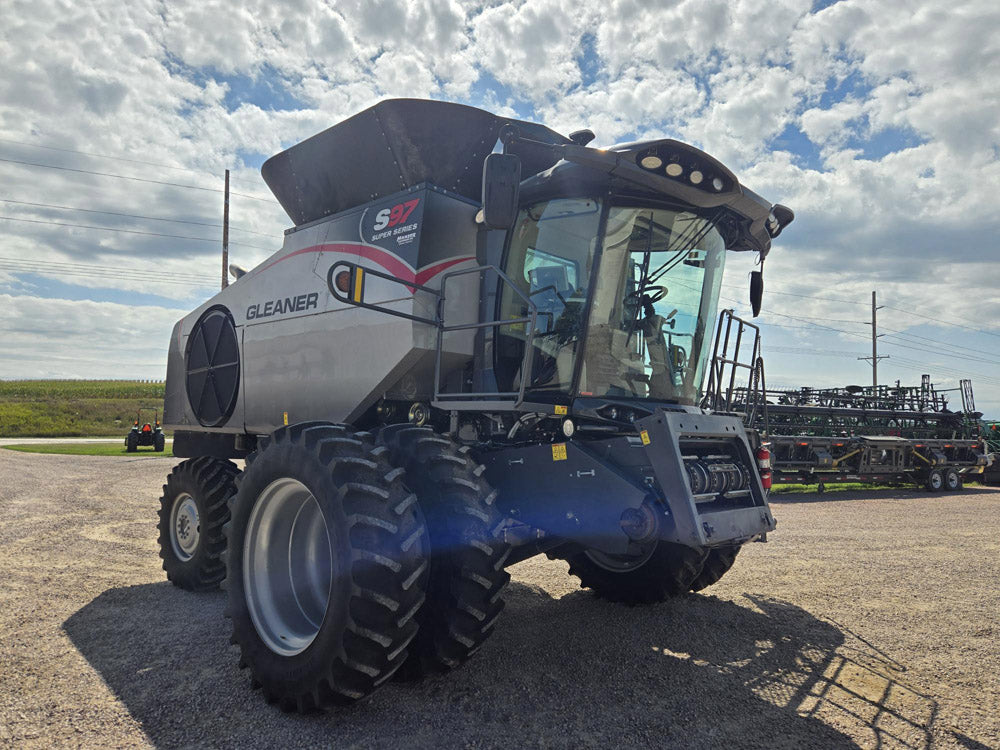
(531, 320)
(717, 399)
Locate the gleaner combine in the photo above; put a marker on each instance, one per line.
(460, 358)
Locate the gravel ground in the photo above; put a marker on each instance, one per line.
(868, 622)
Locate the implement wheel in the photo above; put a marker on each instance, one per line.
(467, 561)
(326, 567)
(666, 570)
(952, 480)
(193, 510)
(934, 481)
(717, 564)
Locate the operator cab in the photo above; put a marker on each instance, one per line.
(626, 286)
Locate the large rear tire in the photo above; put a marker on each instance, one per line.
(132, 442)
(193, 509)
(326, 567)
(717, 564)
(667, 570)
(467, 560)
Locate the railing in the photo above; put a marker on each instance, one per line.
(475, 400)
(354, 295)
(724, 393)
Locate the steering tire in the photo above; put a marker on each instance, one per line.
(717, 564)
(667, 570)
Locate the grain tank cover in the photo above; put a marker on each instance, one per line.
(394, 145)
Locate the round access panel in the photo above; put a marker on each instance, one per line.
(212, 364)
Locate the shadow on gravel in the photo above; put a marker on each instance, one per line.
(572, 672)
(832, 496)
(882, 493)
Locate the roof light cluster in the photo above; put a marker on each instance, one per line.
(681, 167)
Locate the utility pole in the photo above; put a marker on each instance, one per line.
(225, 236)
(875, 357)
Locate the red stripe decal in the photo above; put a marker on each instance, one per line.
(391, 263)
(426, 274)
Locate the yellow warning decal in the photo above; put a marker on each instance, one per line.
(559, 452)
(645, 437)
(359, 283)
(562, 410)
(286, 418)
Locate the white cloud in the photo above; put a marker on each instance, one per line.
(43, 337)
(878, 121)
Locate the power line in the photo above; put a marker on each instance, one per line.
(888, 307)
(129, 231)
(63, 265)
(906, 363)
(952, 355)
(942, 343)
(805, 296)
(95, 268)
(105, 275)
(130, 216)
(135, 179)
(115, 158)
(939, 321)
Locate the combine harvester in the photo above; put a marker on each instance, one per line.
(458, 360)
(889, 434)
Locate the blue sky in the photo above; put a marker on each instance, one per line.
(877, 122)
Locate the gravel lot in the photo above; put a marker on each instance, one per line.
(867, 622)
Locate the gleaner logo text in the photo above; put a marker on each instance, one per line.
(279, 306)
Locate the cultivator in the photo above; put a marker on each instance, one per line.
(852, 434)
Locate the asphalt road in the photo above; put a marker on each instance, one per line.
(865, 621)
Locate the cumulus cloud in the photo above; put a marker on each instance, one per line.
(878, 121)
(42, 337)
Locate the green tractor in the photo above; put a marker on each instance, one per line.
(145, 434)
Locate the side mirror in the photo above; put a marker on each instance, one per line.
(501, 190)
(756, 291)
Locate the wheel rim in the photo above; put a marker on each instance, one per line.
(619, 563)
(952, 480)
(936, 480)
(287, 566)
(185, 527)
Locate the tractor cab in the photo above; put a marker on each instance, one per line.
(622, 274)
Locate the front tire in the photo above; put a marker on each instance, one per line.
(668, 570)
(193, 510)
(326, 567)
(467, 561)
(717, 564)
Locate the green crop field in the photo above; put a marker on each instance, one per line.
(75, 408)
